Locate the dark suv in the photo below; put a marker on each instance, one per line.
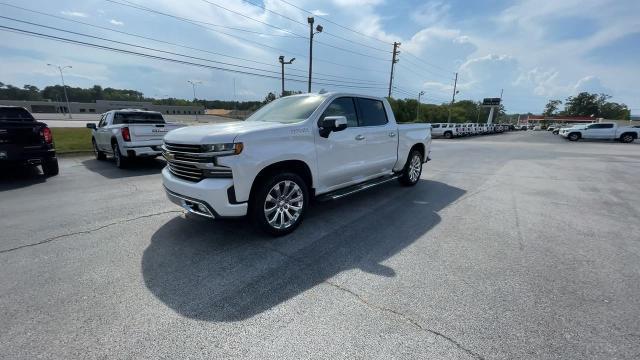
(25, 141)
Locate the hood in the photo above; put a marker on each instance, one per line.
(216, 133)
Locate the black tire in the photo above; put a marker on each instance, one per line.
(121, 162)
(260, 204)
(627, 138)
(574, 137)
(410, 171)
(100, 155)
(448, 135)
(50, 167)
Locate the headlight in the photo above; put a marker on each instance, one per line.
(225, 149)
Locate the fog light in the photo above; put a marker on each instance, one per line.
(203, 209)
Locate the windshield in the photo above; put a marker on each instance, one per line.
(288, 109)
(14, 114)
(137, 118)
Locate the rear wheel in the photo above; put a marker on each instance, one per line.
(412, 169)
(100, 155)
(50, 167)
(574, 137)
(279, 203)
(121, 162)
(626, 138)
(448, 135)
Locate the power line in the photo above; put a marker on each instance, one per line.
(427, 63)
(167, 52)
(290, 32)
(324, 32)
(422, 75)
(156, 57)
(199, 23)
(178, 45)
(335, 23)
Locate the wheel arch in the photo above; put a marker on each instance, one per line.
(298, 167)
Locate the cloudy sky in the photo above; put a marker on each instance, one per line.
(534, 50)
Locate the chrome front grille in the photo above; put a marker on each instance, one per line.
(190, 162)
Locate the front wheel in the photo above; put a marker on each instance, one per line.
(279, 203)
(412, 169)
(574, 137)
(448, 135)
(100, 155)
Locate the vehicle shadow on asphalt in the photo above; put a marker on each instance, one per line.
(137, 167)
(225, 271)
(18, 177)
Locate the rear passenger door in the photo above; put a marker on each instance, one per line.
(378, 136)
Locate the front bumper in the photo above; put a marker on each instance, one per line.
(207, 197)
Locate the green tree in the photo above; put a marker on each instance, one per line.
(551, 108)
(596, 105)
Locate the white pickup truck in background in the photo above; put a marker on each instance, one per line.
(129, 133)
(603, 130)
(296, 148)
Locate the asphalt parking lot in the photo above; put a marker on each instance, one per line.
(513, 246)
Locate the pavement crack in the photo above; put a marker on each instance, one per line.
(58, 237)
(406, 318)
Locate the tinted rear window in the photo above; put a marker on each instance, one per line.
(15, 114)
(372, 112)
(137, 118)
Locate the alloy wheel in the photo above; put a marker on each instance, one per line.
(414, 168)
(283, 204)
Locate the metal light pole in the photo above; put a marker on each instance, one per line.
(283, 63)
(310, 20)
(64, 87)
(418, 110)
(193, 85)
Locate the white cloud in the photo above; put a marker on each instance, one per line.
(430, 13)
(74, 14)
(319, 13)
(116, 22)
(591, 84)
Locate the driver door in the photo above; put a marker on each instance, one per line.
(343, 155)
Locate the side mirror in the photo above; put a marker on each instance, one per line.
(91, 126)
(332, 123)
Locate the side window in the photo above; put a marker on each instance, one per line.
(606, 126)
(342, 107)
(371, 112)
(435, 126)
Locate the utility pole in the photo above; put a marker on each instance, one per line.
(394, 60)
(193, 85)
(64, 87)
(318, 29)
(418, 110)
(283, 63)
(453, 98)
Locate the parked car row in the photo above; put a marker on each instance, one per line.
(602, 130)
(451, 130)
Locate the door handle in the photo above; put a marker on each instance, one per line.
(360, 137)
(392, 134)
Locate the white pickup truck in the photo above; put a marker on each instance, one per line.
(603, 130)
(445, 130)
(322, 146)
(129, 133)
